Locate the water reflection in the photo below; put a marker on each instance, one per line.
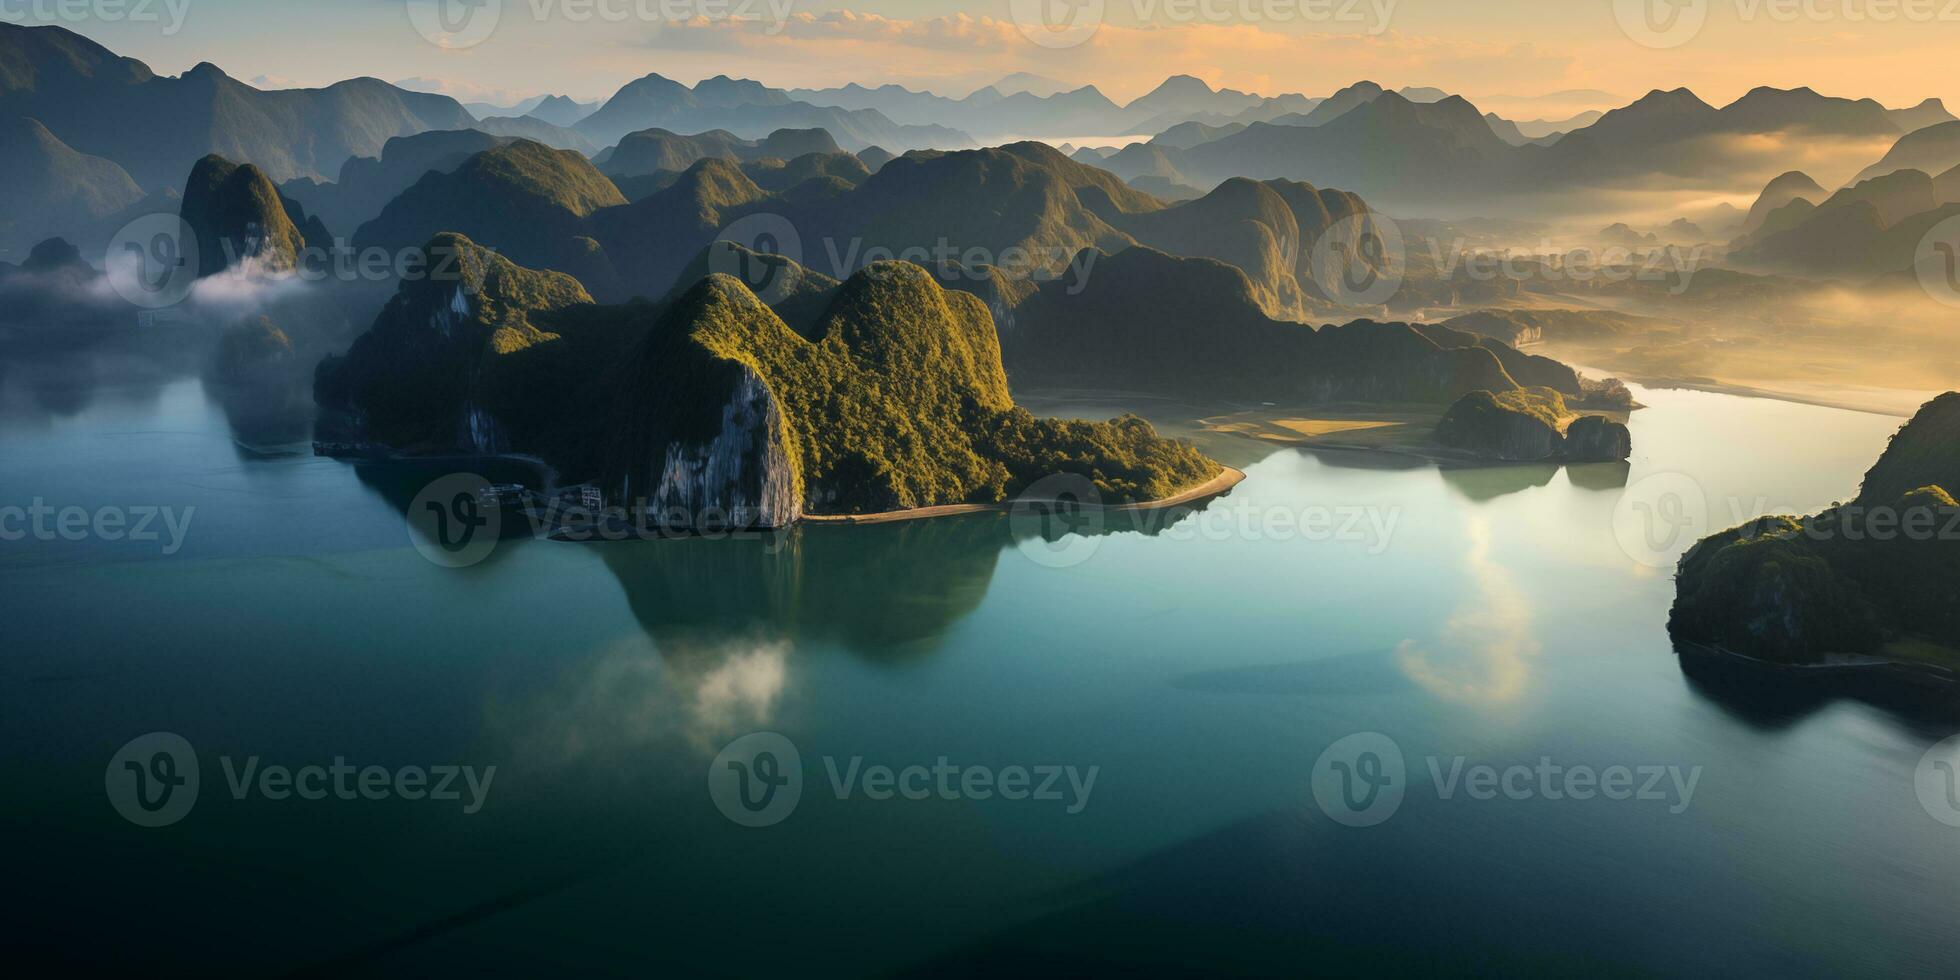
(1772, 700)
(1482, 484)
(1482, 653)
(888, 591)
(1602, 477)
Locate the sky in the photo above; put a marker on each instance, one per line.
(1496, 53)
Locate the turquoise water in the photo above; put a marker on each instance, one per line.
(1496, 615)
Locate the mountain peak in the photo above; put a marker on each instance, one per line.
(1183, 83)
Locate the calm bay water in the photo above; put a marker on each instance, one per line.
(1492, 615)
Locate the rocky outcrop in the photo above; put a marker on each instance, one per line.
(239, 217)
(1849, 581)
(1529, 425)
(1503, 428)
(741, 477)
(709, 411)
(1597, 439)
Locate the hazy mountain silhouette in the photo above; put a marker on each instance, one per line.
(748, 109)
(1779, 192)
(1931, 112)
(560, 110)
(1933, 149)
(654, 150)
(156, 127)
(46, 187)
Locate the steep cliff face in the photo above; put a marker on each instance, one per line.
(698, 438)
(742, 477)
(893, 397)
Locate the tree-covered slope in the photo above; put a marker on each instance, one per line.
(1855, 579)
(157, 127)
(426, 375)
(709, 409)
(523, 199)
(238, 216)
(1144, 321)
(47, 188)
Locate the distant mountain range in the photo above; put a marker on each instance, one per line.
(752, 110)
(1412, 155)
(555, 210)
(101, 123)
(155, 127)
(1869, 229)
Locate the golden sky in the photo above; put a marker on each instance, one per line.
(1898, 51)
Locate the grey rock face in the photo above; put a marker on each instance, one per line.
(741, 477)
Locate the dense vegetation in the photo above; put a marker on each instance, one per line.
(237, 214)
(523, 199)
(1140, 320)
(1529, 424)
(892, 397)
(1851, 580)
(439, 347)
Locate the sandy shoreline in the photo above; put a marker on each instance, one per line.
(1214, 487)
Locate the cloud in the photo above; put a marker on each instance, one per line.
(1483, 653)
